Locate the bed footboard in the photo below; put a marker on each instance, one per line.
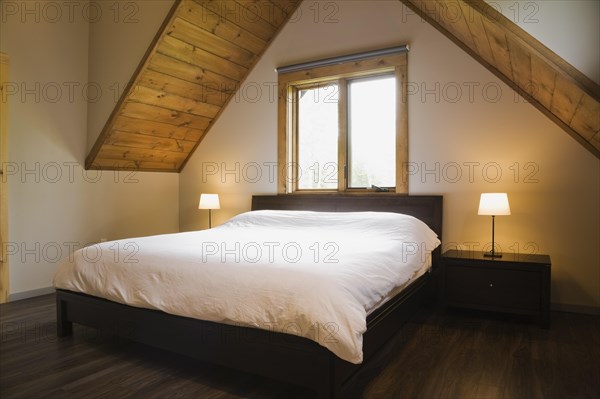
(284, 357)
(288, 358)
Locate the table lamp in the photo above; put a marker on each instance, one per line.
(493, 204)
(210, 202)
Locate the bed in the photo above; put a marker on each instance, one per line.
(290, 358)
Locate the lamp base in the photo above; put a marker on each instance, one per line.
(492, 254)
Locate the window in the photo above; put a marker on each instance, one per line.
(318, 127)
(372, 132)
(343, 127)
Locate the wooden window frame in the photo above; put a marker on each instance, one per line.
(4, 266)
(291, 82)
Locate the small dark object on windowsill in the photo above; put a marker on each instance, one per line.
(380, 189)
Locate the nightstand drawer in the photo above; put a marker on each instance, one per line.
(491, 287)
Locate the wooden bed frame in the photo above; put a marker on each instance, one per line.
(284, 357)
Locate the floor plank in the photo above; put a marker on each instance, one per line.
(452, 354)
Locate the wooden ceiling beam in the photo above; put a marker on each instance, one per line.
(193, 68)
(556, 88)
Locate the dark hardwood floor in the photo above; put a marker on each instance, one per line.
(436, 355)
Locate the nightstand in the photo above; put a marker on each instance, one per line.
(514, 283)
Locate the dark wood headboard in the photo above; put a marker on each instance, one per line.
(427, 208)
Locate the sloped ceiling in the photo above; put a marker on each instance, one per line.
(548, 82)
(206, 48)
(197, 61)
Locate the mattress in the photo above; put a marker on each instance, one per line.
(312, 274)
(425, 267)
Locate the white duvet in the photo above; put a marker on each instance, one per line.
(313, 274)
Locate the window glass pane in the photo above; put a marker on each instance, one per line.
(318, 137)
(372, 132)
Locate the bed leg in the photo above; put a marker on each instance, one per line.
(64, 328)
(325, 393)
(327, 388)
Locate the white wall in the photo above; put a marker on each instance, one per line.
(489, 129)
(59, 206)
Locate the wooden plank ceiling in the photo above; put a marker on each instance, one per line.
(548, 82)
(206, 48)
(202, 53)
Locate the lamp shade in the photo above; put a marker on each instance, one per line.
(495, 204)
(209, 201)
